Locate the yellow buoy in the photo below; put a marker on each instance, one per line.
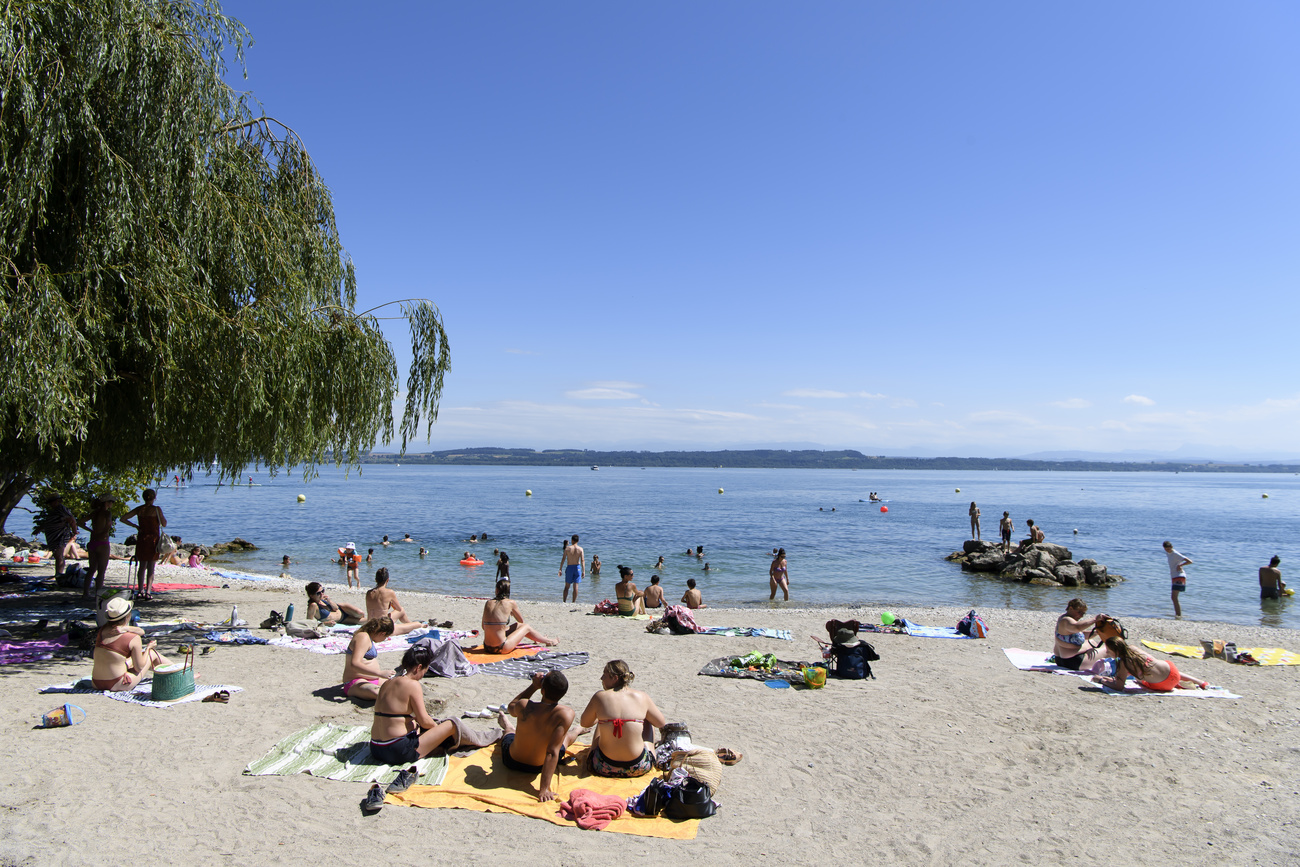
(959, 490)
(719, 490)
(528, 493)
(1265, 496)
(302, 498)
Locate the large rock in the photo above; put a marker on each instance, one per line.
(1041, 558)
(1094, 573)
(1041, 576)
(1014, 571)
(1069, 574)
(990, 561)
(234, 545)
(976, 546)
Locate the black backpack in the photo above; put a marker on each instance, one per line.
(691, 800)
(853, 661)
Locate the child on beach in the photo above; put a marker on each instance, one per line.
(1154, 674)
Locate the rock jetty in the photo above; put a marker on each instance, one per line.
(1039, 563)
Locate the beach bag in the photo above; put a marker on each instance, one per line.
(853, 662)
(605, 607)
(973, 625)
(814, 677)
(652, 799)
(691, 800)
(680, 620)
(1109, 627)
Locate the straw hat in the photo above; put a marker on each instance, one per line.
(701, 764)
(118, 607)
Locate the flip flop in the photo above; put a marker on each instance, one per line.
(207, 651)
(729, 757)
(221, 696)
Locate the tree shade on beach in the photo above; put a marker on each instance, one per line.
(174, 289)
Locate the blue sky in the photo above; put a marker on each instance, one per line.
(907, 228)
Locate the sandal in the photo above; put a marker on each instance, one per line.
(207, 651)
(729, 757)
(221, 696)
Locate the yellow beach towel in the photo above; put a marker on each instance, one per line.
(1265, 655)
(481, 782)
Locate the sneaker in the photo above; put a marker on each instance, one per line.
(373, 800)
(404, 780)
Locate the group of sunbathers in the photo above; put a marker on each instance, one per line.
(1078, 650)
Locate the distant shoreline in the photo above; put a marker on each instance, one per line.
(806, 459)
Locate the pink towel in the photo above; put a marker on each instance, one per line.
(592, 811)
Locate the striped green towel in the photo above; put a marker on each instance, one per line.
(338, 753)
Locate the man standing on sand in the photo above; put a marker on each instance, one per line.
(1271, 584)
(1176, 575)
(542, 735)
(573, 564)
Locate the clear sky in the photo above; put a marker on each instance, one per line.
(976, 229)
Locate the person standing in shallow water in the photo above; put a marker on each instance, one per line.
(1177, 576)
(1271, 585)
(779, 575)
(974, 520)
(1005, 526)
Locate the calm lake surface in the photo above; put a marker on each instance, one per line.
(854, 554)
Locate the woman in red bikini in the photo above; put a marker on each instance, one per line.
(625, 720)
(1154, 674)
(361, 672)
(121, 658)
(148, 532)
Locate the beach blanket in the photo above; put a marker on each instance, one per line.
(748, 632)
(21, 616)
(30, 651)
(482, 783)
(231, 575)
(1033, 660)
(547, 660)
(784, 669)
(916, 630)
(341, 636)
(337, 753)
(140, 693)
(1264, 655)
(234, 636)
(479, 656)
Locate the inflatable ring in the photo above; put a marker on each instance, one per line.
(471, 562)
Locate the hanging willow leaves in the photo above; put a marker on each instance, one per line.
(174, 288)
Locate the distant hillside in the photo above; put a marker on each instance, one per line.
(806, 459)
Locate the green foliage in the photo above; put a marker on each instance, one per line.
(79, 490)
(173, 286)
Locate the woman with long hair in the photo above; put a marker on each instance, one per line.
(1154, 674)
(148, 532)
(499, 634)
(361, 672)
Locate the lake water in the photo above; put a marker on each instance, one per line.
(854, 554)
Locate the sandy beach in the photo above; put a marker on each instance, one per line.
(950, 755)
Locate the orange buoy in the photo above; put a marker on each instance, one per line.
(884, 508)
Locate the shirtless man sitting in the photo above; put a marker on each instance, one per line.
(654, 594)
(1271, 585)
(381, 601)
(693, 598)
(543, 733)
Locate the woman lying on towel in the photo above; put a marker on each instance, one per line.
(121, 658)
(1075, 646)
(625, 720)
(499, 634)
(403, 732)
(1154, 674)
(361, 672)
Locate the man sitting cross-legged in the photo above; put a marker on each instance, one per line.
(543, 732)
(381, 601)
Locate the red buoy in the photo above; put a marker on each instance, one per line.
(884, 508)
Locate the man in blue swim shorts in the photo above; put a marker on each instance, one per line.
(573, 563)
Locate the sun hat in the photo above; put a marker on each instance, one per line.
(351, 546)
(844, 636)
(118, 607)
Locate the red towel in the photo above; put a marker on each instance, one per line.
(592, 811)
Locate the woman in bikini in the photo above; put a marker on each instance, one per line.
(320, 607)
(1074, 648)
(121, 658)
(499, 634)
(361, 672)
(147, 534)
(1154, 674)
(403, 732)
(779, 575)
(625, 720)
(99, 547)
(630, 599)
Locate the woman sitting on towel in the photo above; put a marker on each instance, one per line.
(1154, 674)
(361, 672)
(499, 634)
(625, 720)
(321, 607)
(630, 600)
(1075, 647)
(121, 658)
(403, 732)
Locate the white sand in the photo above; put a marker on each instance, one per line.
(950, 755)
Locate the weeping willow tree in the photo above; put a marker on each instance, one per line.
(174, 288)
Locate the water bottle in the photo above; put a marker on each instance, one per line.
(288, 614)
(234, 615)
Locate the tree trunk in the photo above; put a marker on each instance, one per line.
(13, 487)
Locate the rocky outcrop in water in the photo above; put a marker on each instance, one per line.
(1040, 563)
